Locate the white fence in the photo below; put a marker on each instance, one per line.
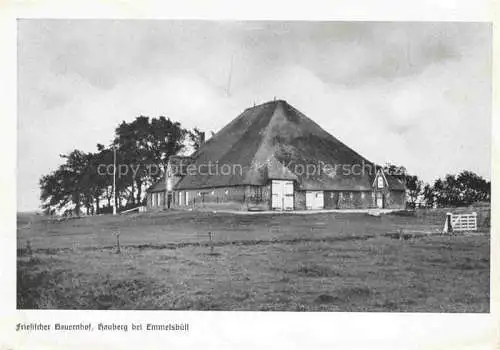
(460, 222)
(140, 209)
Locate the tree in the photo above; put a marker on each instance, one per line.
(145, 147)
(472, 187)
(395, 170)
(452, 190)
(104, 160)
(75, 168)
(462, 189)
(142, 146)
(55, 191)
(197, 138)
(71, 183)
(413, 187)
(438, 189)
(167, 139)
(428, 193)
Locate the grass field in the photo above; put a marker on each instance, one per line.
(319, 262)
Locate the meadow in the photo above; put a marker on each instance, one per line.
(265, 262)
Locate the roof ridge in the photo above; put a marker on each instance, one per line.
(266, 103)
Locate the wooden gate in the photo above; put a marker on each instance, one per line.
(461, 222)
(282, 195)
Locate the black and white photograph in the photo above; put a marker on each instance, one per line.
(253, 165)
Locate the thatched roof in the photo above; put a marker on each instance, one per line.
(177, 165)
(271, 141)
(395, 182)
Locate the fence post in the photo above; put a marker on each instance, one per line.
(118, 243)
(29, 251)
(211, 242)
(447, 225)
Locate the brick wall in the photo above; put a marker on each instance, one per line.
(348, 199)
(300, 200)
(259, 198)
(395, 200)
(243, 197)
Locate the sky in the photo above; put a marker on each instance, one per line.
(416, 94)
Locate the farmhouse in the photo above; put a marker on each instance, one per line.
(273, 157)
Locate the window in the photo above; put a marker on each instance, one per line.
(380, 182)
(258, 193)
(362, 195)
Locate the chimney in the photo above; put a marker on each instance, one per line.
(202, 138)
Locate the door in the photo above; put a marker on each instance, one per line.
(380, 200)
(282, 195)
(314, 200)
(276, 195)
(288, 192)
